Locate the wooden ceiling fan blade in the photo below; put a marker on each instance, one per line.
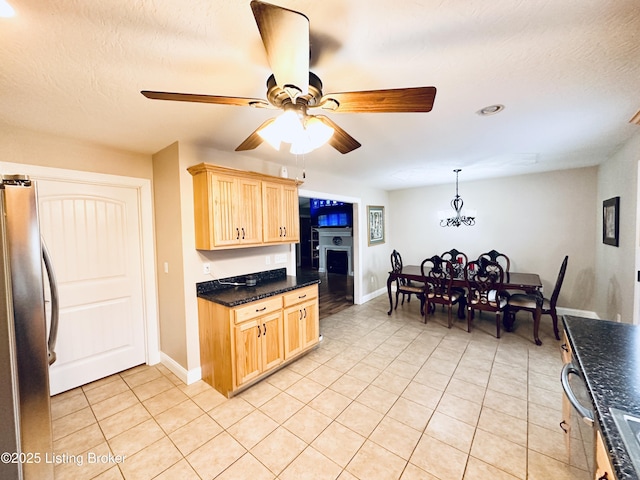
(285, 35)
(398, 100)
(254, 140)
(220, 100)
(340, 140)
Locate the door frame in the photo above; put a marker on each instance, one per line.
(358, 248)
(147, 246)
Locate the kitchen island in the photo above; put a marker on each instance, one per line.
(249, 332)
(607, 355)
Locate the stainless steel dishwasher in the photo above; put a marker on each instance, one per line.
(583, 451)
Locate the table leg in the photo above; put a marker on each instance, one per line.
(389, 281)
(536, 320)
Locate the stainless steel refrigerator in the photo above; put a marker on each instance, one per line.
(27, 339)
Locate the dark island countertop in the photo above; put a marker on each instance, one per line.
(269, 283)
(608, 356)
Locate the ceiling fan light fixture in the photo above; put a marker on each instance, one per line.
(6, 10)
(318, 132)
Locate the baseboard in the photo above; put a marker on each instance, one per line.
(577, 313)
(187, 376)
(372, 295)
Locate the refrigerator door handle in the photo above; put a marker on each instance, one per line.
(53, 330)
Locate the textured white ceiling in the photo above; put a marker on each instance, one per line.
(568, 72)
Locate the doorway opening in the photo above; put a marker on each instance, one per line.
(326, 248)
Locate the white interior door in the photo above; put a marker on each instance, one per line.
(93, 235)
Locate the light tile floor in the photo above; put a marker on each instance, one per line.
(383, 397)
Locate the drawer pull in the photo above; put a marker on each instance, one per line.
(564, 347)
(258, 331)
(261, 309)
(302, 296)
(264, 328)
(237, 233)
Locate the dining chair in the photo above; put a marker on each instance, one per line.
(495, 256)
(484, 281)
(404, 286)
(458, 259)
(439, 274)
(521, 301)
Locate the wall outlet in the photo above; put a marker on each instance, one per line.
(166, 267)
(267, 260)
(618, 318)
(280, 258)
(206, 268)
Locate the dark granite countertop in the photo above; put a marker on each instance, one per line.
(608, 355)
(269, 283)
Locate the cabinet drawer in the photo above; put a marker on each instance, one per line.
(300, 295)
(257, 309)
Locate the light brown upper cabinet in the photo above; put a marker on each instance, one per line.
(234, 208)
(281, 222)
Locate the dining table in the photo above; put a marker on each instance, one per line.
(529, 283)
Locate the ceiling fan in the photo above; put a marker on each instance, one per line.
(295, 90)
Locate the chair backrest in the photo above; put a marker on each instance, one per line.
(458, 259)
(484, 280)
(439, 275)
(396, 262)
(496, 256)
(556, 289)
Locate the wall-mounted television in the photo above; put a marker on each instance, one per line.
(331, 213)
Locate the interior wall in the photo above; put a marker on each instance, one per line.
(535, 219)
(169, 258)
(615, 266)
(34, 148)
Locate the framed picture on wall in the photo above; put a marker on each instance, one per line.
(611, 221)
(376, 224)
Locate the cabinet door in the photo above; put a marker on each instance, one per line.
(272, 344)
(281, 222)
(301, 328)
(293, 331)
(290, 218)
(224, 195)
(604, 469)
(249, 211)
(310, 331)
(248, 356)
(272, 230)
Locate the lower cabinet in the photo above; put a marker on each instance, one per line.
(604, 469)
(258, 346)
(300, 321)
(239, 346)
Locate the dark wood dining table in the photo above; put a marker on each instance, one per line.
(527, 282)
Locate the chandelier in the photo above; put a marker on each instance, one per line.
(460, 218)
